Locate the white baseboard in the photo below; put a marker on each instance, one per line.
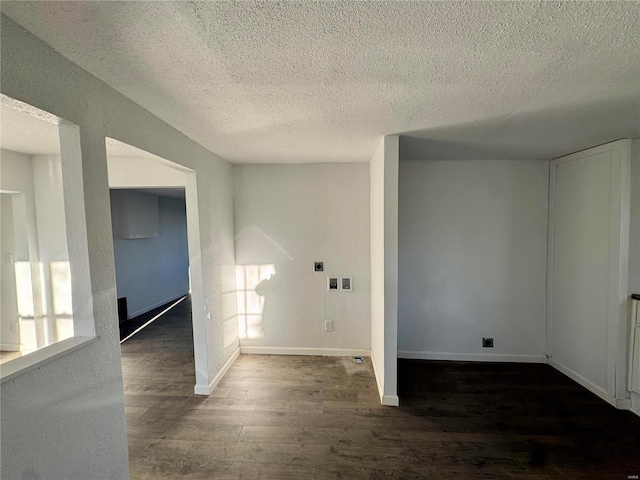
(472, 357)
(377, 377)
(623, 404)
(207, 389)
(635, 403)
(202, 390)
(156, 305)
(388, 400)
(592, 387)
(318, 352)
(10, 347)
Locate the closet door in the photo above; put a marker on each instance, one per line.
(588, 265)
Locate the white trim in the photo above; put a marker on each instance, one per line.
(200, 315)
(387, 400)
(632, 344)
(551, 222)
(10, 347)
(318, 352)
(377, 376)
(623, 403)
(201, 390)
(390, 400)
(18, 366)
(473, 357)
(156, 305)
(635, 404)
(206, 390)
(592, 387)
(622, 302)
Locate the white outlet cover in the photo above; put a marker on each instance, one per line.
(346, 284)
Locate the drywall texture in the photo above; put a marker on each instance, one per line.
(472, 259)
(383, 178)
(287, 217)
(535, 79)
(79, 398)
(153, 271)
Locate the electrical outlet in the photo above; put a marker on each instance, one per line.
(14, 327)
(332, 283)
(346, 284)
(328, 325)
(8, 258)
(487, 342)
(318, 266)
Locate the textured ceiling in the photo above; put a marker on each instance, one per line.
(322, 81)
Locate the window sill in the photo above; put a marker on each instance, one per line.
(18, 366)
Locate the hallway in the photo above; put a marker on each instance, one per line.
(285, 417)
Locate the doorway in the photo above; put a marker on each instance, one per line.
(147, 195)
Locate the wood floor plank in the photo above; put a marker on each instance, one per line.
(290, 417)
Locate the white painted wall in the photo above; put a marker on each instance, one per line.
(49, 203)
(287, 217)
(9, 334)
(134, 215)
(16, 175)
(153, 271)
(383, 178)
(86, 409)
(588, 292)
(140, 172)
(52, 241)
(472, 259)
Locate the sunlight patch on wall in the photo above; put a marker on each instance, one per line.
(61, 288)
(28, 335)
(250, 279)
(24, 289)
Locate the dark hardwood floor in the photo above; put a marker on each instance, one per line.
(283, 417)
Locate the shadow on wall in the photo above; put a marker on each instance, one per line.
(536, 135)
(253, 282)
